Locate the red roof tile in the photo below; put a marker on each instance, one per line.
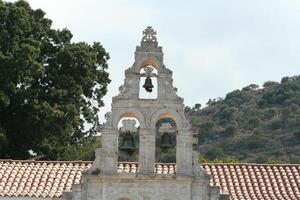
(241, 181)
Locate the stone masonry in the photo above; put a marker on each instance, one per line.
(103, 182)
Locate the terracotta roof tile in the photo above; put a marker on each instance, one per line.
(241, 181)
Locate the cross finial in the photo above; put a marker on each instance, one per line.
(149, 38)
(149, 35)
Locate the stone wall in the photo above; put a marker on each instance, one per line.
(136, 187)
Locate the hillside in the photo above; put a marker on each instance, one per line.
(251, 125)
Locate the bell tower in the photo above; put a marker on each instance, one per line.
(133, 125)
(148, 57)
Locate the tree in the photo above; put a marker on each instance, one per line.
(49, 86)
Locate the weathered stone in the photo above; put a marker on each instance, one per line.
(102, 182)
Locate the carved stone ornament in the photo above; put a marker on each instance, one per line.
(149, 38)
(107, 115)
(121, 89)
(124, 89)
(149, 35)
(128, 125)
(166, 127)
(108, 123)
(148, 72)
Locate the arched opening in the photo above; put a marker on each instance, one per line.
(128, 140)
(165, 147)
(149, 62)
(148, 82)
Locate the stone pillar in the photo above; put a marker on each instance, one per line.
(109, 151)
(161, 86)
(184, 153)
(133, 81)
(147, 151)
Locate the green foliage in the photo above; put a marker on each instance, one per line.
(261, 159)
(253, 124)
(276, 123)
(214, 153)
(225, 160)
(230, 130)
(297, 134)
(49, 86)
(251, 143)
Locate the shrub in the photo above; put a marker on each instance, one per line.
(261, 159)
(230, 130)
(297, 133)
(214, 153)
(276, 123)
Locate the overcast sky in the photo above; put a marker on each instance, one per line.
(212, 46)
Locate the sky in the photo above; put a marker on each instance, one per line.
(213, 47)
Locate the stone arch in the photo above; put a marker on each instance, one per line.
(153, 61)
(149, 62)
(129, 113)
(167, 113)
(126, 196)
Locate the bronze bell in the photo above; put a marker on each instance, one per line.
(148, 84)
(128, 145)
(166, 142)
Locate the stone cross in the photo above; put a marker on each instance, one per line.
(149, 35)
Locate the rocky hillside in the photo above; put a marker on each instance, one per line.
(252, 124)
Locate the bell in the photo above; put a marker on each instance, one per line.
(148, 84)
(128, 143)
(166, 142)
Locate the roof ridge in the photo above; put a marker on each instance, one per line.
(84, 161)
(253, 164)
(46, 161)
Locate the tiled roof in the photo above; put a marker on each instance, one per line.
(254, 181)
(242, 181)
(39, 179)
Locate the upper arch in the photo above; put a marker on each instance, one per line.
(167, 113)
(129, 113)
(141, 63)
(149, 62)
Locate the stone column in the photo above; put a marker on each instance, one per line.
(147, 151)
(109, 151)
(161, 86)
(130, 88)
(184, 153)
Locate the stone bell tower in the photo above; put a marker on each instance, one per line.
(103, 181)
